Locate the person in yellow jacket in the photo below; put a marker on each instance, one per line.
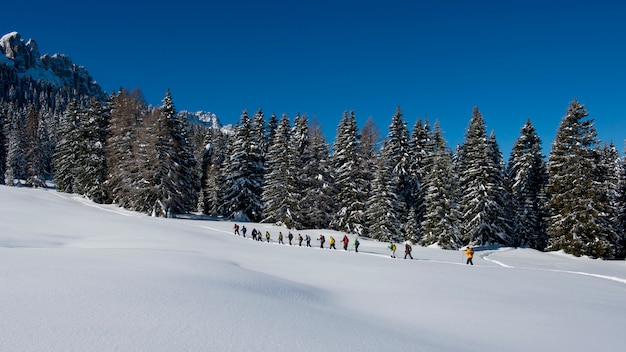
(469, 252)
(332, 243)
(392, 247)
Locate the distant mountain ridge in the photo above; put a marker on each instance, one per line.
(57, 69)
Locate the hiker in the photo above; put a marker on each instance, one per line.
(356, 244)
(267, 236)
(308, 240)
(407, 250)
(469, 252)
(290, 237)
(236, 227)
(392, 247)
(322, 239)
(345, 241)
(280, 237)
(254, 234)
(300, 240)
(243, 230)
(332, 243)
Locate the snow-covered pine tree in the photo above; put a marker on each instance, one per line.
(280, 179)
(317, 204)
(441, 224)
(350, 195)
(621, 206)
(127, 113)
(33, 152)
(399, 158)
(67, 148)
(176, 181)
(527, 175)
(272, 126)
(259, 134)
(421, 150)
(575, 224)
(15, 156)
(502, 210)
(369, 153)
(608, 193)
(244, 178)
(212, 179)
(90, 164)
(381, 211)
(3, 142)
(479, 187)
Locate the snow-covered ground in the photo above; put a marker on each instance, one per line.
(76, 276)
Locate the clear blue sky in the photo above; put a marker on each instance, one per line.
(438, 59)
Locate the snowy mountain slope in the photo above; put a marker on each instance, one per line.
(79, 276)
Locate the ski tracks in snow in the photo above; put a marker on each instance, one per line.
(599, 276)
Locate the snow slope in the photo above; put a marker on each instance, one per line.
(77, 276)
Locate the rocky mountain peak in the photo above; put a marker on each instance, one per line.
(57, 69)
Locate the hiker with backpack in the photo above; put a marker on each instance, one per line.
(345, 241)
(322, 239)
(356, 244)
(392, 247)
(308, 240)
(407, 250)
(332, 243)
(300, 240)
(469, 252)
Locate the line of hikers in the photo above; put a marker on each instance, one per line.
(257, 236)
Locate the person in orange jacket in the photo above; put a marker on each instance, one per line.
(469, 252)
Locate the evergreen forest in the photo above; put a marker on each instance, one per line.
(409, 185)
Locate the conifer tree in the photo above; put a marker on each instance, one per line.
(89, 160)
(350, 195)
(421, 150)
(576, 222)
(317, 188)
(3, 142)
(33, 152)
(369, 153)
(527, 175)
(212, 179)
(67, 148)
(608, 193)
(259, 134)
(175, 181)
(441, 224)
(621, 206)
(244, 179)
(280, 180)
(15, 156)
(399, 158)
(382, 212)
(480, 189)
(127, 113)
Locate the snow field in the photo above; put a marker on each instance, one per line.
(78, 276)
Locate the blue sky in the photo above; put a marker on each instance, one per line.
(438, 59)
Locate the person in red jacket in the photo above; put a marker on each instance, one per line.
(407, 250)
(345, 241)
